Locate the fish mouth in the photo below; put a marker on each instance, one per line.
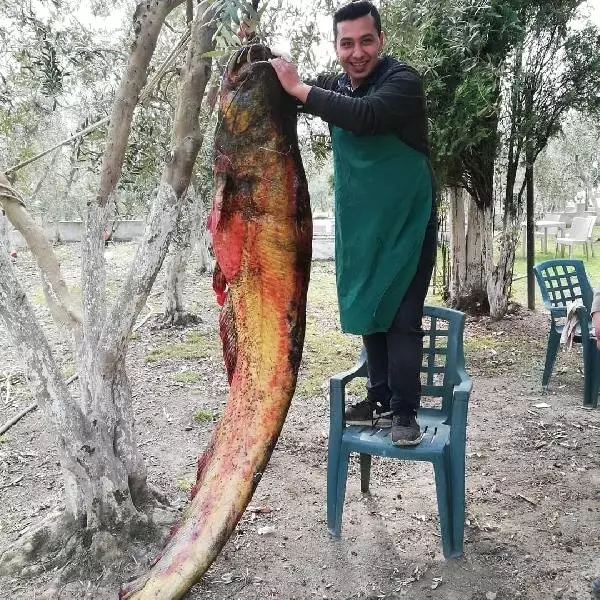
(246, 56)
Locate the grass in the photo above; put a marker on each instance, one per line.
(204, 416)
(326, 351)
(184, 485)
(519, 287)
(186, 377)
(196, 345)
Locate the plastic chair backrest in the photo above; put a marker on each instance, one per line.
(562, 281)
(591, 221)
(579, 229)
(443, 353)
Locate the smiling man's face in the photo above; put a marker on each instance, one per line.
(357, 46)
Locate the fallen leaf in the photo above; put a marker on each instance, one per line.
(267, 530)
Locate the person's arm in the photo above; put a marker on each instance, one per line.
(397, 100)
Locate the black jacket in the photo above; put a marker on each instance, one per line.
(390, 100)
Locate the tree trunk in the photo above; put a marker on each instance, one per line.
(458, 241)
(4, 237)
(184, 240)
(530, 233)
(468, 289)
(93, 499)
(500, 278)
(105, 477)
(205, 260)
(191, 233)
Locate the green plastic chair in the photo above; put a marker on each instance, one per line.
(444, 425)
(591, 359)
(561, 282)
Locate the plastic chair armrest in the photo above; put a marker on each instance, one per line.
(556, 312)
(460, 405)
(337, 387)
(584, 318)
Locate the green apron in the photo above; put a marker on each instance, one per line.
(383, 200)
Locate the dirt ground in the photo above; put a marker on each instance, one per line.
(533, 472)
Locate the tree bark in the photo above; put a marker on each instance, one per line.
(468, 288)
(191, 232)
(500, 278)
(106, 475)
(184, 240)
(530, 233)
(458, 240)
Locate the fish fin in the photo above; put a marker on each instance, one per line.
(219, 285)
(226, 225)
(228, 337)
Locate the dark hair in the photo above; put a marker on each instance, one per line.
(355, 10)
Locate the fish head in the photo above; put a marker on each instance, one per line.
(251, 95)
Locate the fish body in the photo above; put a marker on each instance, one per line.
(262, 234)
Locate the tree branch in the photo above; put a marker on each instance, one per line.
(148, 20)
(64, 309)
(186, 142)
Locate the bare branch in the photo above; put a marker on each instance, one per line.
(60, 302)
(17, 418)
(149, 17)
(187, 139)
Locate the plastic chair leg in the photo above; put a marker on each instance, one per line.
(591, 385)
(333, 465)
(365, 472)
(335, 526)
(443, 492)
(457, 502)
(551, 350)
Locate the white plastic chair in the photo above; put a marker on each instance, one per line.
(580, 232)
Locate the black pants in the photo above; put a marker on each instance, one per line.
(394, 358)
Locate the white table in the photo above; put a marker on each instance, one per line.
(543, 224)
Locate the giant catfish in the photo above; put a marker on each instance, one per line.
(262, 233)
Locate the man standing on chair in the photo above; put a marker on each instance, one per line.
(386, 223)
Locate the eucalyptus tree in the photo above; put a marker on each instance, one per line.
(107, 497)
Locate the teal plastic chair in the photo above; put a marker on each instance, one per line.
(562, 282)
(444, 425)
(591, 359)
